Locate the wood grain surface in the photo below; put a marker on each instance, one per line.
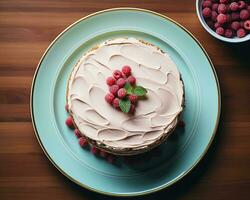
(27, 27)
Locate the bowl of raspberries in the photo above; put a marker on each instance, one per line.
(227, 20)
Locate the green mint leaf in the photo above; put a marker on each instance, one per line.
(139, 91)
(125, 105)
(128, 88)
(127, 85)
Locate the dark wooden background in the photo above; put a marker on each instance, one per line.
(27, 27)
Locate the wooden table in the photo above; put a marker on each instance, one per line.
(26, 29)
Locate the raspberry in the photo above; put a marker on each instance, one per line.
(214, 16)
(110, 81)
(82, 142)
(109, 98)
(241, 4)
(234, 6)
(132, 109)
(133, 98)
(103, 154)
(247, 25)
(222, 18)
(228, 33)
(117, 74)
(121, 93)
(94, 150)
(206, 4)
(126, 70)
(248, 8)
(121, 82)
(116, 102)
(131, 80)
(235, 16)
(222, 8)
(241, 33)
(223, 1)
(113, 89)
(217, 25)
(215, 7)
(67, 107)
(235, 25)
(244, 14)
(69, 122)
(77, 133)
(206, 12)
(220, 31)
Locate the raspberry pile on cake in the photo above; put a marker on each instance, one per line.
(123, 93)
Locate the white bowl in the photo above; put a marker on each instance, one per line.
(212, 32)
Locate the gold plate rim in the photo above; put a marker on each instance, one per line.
(139, 193)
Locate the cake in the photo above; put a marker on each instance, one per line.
(155, 116)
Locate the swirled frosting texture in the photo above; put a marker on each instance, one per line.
(154, 116)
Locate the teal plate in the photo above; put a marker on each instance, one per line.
(179, 155)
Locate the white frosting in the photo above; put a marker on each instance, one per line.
(154, 116)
